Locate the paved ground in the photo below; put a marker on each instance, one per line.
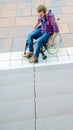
(18, 16)
(15, 60)
(16, 20)
(32, 97)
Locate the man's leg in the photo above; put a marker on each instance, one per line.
(33, 35)
(40, 40)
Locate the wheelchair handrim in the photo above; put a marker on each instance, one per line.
(52, 50)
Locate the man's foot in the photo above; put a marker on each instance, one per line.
(29, 54)
(33, 60)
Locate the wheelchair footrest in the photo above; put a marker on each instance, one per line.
(44, 57)
(24, 52)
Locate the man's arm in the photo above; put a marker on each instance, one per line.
(54, 35)
(55, 29)
(53, 39)
(36, 25)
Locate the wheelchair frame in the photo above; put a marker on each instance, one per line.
(46, 47)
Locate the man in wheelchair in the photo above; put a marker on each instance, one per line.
(48, 28)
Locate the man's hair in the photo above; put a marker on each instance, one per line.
(41, 8)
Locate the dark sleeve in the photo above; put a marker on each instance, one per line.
(39, 20)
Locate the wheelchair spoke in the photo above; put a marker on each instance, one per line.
(54, 49)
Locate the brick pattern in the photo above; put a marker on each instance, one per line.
(16, 16)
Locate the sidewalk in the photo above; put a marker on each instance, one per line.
(17, 18)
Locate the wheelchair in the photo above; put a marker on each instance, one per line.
(52, 50)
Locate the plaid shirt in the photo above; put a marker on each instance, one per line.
(48, 23)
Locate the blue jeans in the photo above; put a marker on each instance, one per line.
(41, 37)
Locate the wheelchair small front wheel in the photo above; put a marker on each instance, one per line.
(56, 45)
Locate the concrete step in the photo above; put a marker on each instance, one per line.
(36, 94)
(62, 122)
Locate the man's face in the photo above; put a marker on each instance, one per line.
(41, 14)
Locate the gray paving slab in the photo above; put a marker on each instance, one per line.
(23, 12)
(54, 105)
(6, 32)
(70, 25)
(22, 31)
(0, 6)
(63, 122)
(67, 40)
(21, 125)
(18, 44)
(16, 77)
(61, 87)
(19, 39)
(56, 10)
(16, 92)
(17, 110)
(54, 73)
(10, 1)
(2, 1)
(5, 45)
(53, 67)
(59, 3)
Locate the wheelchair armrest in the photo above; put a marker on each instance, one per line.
(39, 27)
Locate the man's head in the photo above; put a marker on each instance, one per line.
(41, 9)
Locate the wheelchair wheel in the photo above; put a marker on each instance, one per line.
(55, 47)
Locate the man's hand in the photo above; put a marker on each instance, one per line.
(51, 41)
(36, 25)
(33, 29)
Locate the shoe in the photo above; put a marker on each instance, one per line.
(28, 55)
(33, 60)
